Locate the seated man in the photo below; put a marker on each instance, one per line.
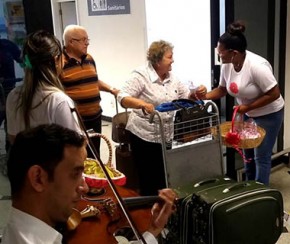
(45, 169)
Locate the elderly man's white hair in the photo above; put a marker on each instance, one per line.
(69, 29)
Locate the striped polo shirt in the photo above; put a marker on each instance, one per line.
(80, 81)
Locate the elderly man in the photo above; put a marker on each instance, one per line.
(80, 79)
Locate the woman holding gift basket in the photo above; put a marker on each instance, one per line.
(249, 78)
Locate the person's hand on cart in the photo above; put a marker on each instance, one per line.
(147, 108)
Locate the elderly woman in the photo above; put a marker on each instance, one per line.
(148, 87)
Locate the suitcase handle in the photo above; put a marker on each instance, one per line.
(236, 186)
(207, 181)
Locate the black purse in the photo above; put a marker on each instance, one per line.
(191, 121)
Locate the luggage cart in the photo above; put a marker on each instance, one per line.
(196, 160)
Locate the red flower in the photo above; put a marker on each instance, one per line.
(234, 88)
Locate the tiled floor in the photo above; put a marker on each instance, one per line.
(280, 179)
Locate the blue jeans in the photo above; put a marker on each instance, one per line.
(259, 166)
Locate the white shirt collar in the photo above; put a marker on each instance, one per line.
(26, 228)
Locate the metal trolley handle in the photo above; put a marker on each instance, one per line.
(155, 112)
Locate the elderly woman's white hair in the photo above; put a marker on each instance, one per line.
(69, 29)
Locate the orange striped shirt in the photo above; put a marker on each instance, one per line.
(80, 81)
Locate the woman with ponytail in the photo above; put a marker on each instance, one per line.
(41, 99)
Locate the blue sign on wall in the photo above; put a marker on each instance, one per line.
(108, 7)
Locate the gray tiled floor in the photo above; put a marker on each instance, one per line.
(280, 179)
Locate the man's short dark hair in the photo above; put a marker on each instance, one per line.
(44, 146)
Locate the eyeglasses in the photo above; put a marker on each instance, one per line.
(84, 40)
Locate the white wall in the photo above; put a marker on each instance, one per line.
(187, 26)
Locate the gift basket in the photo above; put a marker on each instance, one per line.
(93, 173)
(241, 134)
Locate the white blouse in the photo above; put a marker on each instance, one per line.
(48, 107)
(146, 85)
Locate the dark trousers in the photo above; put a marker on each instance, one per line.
(149, 162)
(96, 125)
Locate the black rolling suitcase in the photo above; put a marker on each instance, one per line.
(235, 213)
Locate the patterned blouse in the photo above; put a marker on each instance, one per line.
(145, 84)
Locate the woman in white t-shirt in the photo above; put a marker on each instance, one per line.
(40, 100)
(249, 78)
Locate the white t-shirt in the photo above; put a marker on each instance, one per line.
(48, 107)
(23, 228)
(253, 80)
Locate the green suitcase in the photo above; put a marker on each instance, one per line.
(176, 232)
(238, 213)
